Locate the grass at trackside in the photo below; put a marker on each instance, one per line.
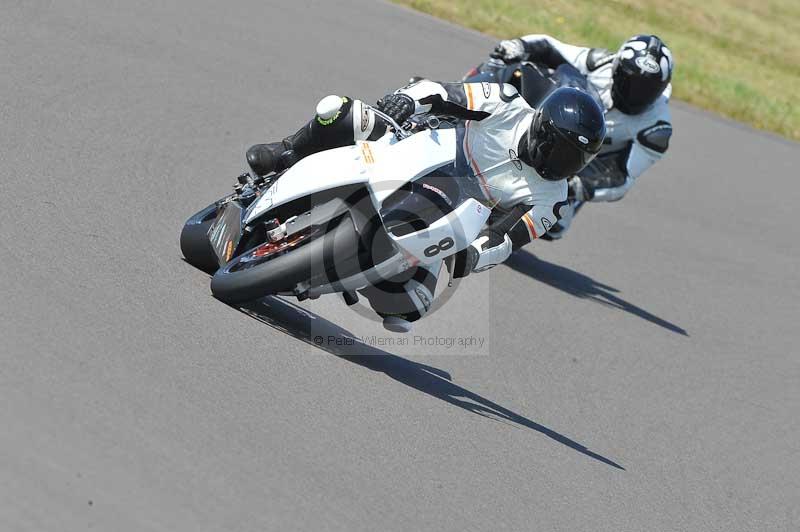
(740, 58)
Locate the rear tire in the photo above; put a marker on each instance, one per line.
(195, 246)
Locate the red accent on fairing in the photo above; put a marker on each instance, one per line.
(271, 248)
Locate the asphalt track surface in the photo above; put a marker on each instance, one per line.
(642, 374)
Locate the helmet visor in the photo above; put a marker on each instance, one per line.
(559, 157)
(633, 92)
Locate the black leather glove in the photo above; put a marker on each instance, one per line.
(398, 106)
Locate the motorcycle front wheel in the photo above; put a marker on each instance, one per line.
(317, 256)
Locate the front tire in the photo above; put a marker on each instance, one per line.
(323, 258)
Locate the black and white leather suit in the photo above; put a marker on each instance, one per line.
(495, 119)
(633, 143)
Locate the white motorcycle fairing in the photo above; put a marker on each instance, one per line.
(385, 164)
(458, 229)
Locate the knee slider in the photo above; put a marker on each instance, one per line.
(329, 109)
(408, 299)
(339, 118)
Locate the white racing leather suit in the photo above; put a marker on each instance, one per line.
(497, 119)
(633, 143)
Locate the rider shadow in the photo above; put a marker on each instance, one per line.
(310, 328)
(580, 285)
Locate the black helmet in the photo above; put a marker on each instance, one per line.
(566, 133)
(642, 70)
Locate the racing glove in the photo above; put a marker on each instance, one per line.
(399, 106)
(488, 250)
(492, 246)
(509, 50)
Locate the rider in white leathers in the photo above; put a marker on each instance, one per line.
(520, 155)
(634, 85)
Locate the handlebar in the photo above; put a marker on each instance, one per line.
(401, 132)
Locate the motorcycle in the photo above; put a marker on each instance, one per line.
(341, 220)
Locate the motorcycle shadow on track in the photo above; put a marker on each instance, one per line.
(310, 328)
(580, 285)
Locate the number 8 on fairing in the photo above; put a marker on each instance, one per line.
(443, 245)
